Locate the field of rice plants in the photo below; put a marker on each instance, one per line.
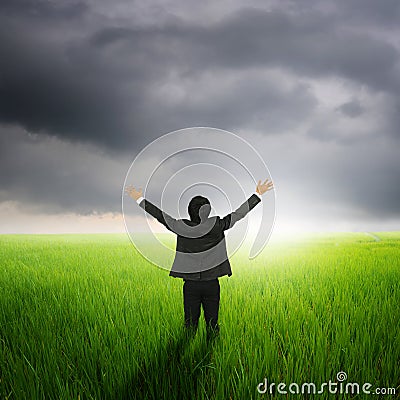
(87, 317)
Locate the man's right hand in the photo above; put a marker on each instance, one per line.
(264, 187)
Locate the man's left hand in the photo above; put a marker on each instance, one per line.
(134, 193)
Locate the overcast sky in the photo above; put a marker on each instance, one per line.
(314, 86)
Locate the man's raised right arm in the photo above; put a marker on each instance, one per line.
(231, 219)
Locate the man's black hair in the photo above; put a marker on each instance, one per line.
(194, 208)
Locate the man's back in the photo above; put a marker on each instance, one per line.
(201, 247)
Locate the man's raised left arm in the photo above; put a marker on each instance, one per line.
(162, 217)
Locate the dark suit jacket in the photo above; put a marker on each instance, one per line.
(200, 248)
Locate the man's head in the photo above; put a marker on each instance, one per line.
(199, 208)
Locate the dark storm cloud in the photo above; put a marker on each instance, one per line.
(46, 91)
(367, 13)
(83, 79)
(308, 43)
(362, 178)
(352, 108)
(44, 174)
(381, 13)
(43, 9)
(103, 85)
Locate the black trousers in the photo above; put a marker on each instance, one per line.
(197, 294)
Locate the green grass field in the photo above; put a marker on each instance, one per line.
(86, 317)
